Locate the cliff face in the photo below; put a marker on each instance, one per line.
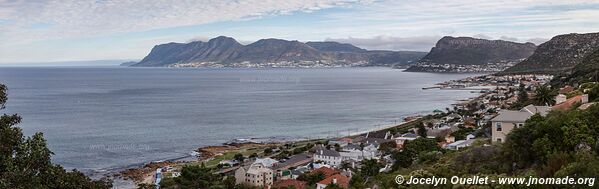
(226, 50)
(472, 51)
(331, 46)
(274, 50)
(217, 49)
(560, 54)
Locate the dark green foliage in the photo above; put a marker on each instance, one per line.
(388, 147)
(544, 96)
(462, 133)
(195, 177)
(370, 167)
(253, 155)
(411, 150)
(522, 98)
(267, 151)
(333, 186)
(560, 131)
(25, 161)
(593, 93)
(239, 157)
(479, 160)
(312, 178)
(357, 181)
(146, 186)
(421, 130)
(586, 71)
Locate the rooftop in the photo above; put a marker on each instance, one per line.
(340, 180)
(532, 109)
(326, 171)
(522, 115)
(512, 116)
(570, 102)
(326, 152)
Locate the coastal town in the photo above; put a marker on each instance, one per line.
(272, 64)
(322, 163)
(456, 68)
(299, 94)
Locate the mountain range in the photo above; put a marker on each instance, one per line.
(226, 51)
(471, 51)
(560, 54)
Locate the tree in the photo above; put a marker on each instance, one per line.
(544, 96)
(267, 151)
(593, 92)
(357, 181)
(333, 186)
(312, 178)
(25, 162)
(421, 130)
(410, 151)
(239, 157)
(145, 186)
(194, 176)
(522, 94)
(253, 155)
(370, 167)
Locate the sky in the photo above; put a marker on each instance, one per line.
(72, 30)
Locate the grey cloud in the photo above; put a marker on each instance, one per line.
(417, 43)
(508, 38)
(537, 41)
(482, 36)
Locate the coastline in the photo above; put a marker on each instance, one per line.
(143, 173)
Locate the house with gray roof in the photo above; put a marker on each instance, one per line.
(328, 157)
(507, 120)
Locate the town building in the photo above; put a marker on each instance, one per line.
(257, 174)
(507, 120)
(328, 157)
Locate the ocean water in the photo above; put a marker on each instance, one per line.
(111, 117)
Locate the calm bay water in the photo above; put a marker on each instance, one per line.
(104, 118)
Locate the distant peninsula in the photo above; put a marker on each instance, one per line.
(227, 52)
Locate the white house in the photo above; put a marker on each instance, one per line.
(328, 157)
(460, 144)
(401, 139)
(369, 152)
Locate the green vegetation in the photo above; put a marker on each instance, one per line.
(25, 161)
(586, 71)
(523, 99)
(563, 143)
(412, 150)
(312, 178)
(198, 176)
(544, 96)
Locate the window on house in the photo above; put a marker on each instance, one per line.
(498, 139)
(520, 125)
(498, 126)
